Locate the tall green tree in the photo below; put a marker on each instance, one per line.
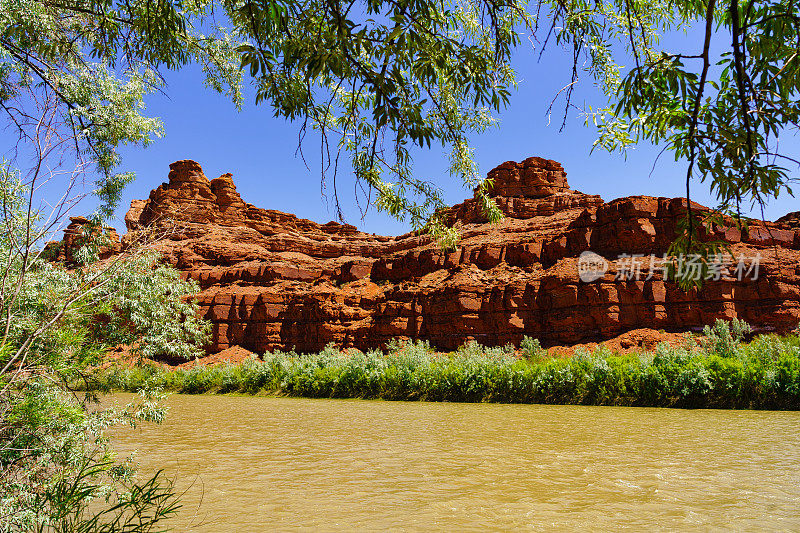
(57, 469)
(72, 79)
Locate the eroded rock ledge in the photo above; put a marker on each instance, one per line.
(271, 280)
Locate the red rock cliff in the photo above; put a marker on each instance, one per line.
(273, 281)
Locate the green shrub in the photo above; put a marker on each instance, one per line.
(763, 374)
(532, 349)
(725, 336)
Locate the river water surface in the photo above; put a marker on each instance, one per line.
(267, 464)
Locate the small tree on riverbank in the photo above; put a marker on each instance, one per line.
(57, 470)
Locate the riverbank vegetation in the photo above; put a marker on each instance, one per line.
(58, 471)
(716, 370)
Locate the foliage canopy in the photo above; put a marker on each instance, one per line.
(381, 77)
(722, 107)
(378, 79)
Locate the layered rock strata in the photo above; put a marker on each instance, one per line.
(270, 280)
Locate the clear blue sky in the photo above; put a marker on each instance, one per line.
(259, 150)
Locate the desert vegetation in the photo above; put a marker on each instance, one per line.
(715, 370)
(58, 471)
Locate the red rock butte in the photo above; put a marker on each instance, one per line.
(270, 280)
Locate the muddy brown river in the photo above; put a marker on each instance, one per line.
(280, 464)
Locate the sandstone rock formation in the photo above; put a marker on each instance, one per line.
(270, 280)
(791, 220)
(74, 238)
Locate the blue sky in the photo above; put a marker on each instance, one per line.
(259, 150)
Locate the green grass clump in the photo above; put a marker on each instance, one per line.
(720, 371)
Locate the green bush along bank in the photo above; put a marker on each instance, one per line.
(716, 371)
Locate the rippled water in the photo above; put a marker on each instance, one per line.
(256, 464)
